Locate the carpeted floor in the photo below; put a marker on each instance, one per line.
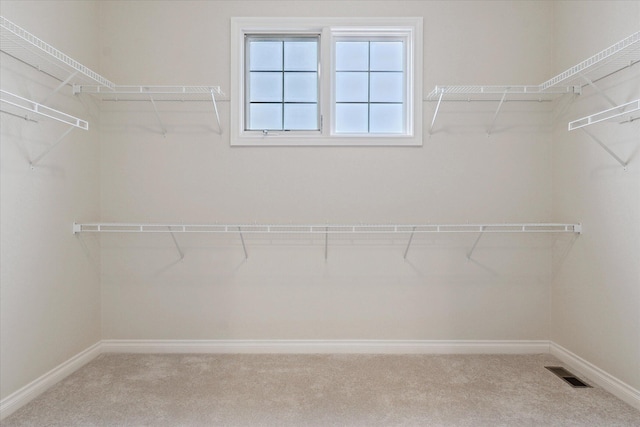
(321, 390)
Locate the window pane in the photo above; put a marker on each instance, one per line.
(265, 55)
(386, 118)
(301, 55)
(352, 87)
(265, 116)
(387, 56)
(301, 117)
(265, 87)
(386, 87)
(300, 87)
(352, 56)
(352, 118)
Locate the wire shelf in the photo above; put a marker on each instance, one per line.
(20, 44)
(145, 93)
(611, 113)
(324, 229)
(496, 93)
(18, 105)
(621, 55)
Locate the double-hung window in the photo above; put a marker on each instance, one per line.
(327, 81)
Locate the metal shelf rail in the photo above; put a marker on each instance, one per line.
(613, 59)
(326, 229)
(17, 106)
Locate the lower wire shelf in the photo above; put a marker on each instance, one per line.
(110, 227)
(325, 230)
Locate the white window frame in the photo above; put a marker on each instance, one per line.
(330, 29)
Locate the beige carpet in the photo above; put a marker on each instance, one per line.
(321, 390)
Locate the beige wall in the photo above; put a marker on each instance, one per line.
(365, 290)
(596, 295)
(50, 280)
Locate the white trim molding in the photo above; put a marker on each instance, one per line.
(26, 394)
(613, 385)
(328, 346)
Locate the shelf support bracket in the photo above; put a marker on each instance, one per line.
(495, 115)
(435, 113)
(605, 148)
(25, 117)
(215, 109)
(60, 86)
(473, 248)
(244, 248)
(175, 242)
(326, 243)
(51, 147)
(406, 251)
(600, 92)
(155, 110)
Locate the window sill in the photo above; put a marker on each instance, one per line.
(301, 140)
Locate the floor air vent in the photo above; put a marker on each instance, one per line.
(568, 377)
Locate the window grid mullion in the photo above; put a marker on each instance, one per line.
(369, 87)
(282, 104)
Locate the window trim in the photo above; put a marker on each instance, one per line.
(329, 29)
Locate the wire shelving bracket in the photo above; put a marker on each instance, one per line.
(17, 106)
(175, 242)
(475, 243)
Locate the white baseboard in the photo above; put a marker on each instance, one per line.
(21, 397)
(326, 346)
(613, 385)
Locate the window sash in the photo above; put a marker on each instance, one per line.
(362, 70)
(285, 106)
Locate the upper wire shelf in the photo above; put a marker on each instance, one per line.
(24, 105)
(19, 43)
(621, 55)
(496, 93)
(614, 58)
(23, 108)
(621, 110)
(155, 93)
(144, 93)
